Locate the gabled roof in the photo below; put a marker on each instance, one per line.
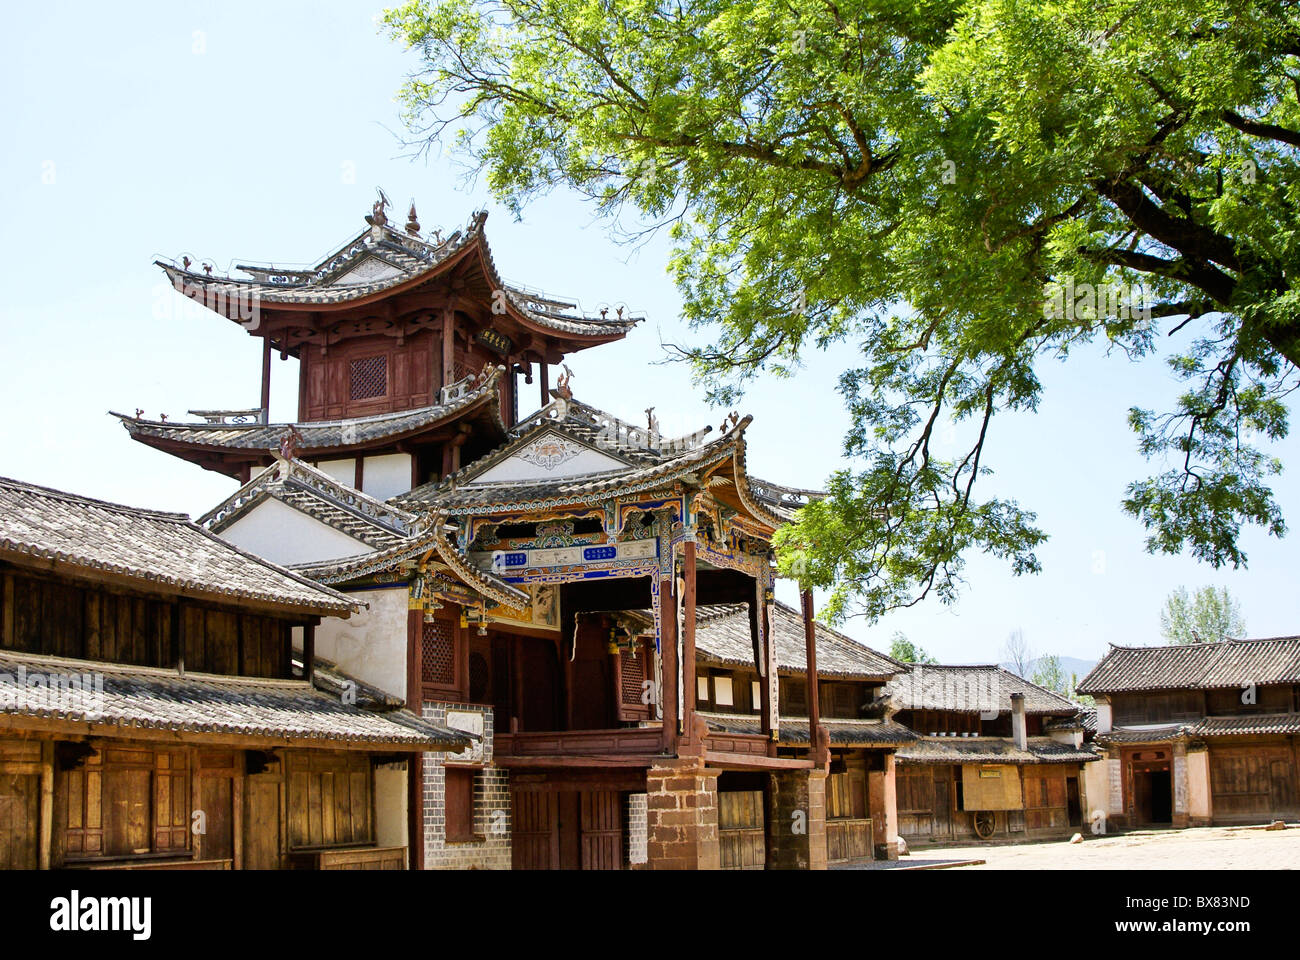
(1196, 666)
(969, 689)
(152, 698)
(318, 495)
(407, 261)
(164, 550)
(471, 396)
(643, 461)
(722, 636)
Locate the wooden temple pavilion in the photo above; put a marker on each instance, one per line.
(150, 711)
(1198, 733)
(995, 756)
(533, 582)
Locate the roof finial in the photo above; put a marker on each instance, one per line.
(377, 217)
(562, 390)
(412, 221)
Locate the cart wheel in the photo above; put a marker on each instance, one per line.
(984, 824)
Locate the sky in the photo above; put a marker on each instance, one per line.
(242, 132)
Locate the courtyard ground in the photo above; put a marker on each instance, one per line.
(1200, 848)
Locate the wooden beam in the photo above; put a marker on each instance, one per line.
(810, 647)
(688, 640)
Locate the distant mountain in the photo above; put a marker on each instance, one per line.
(1069, 665)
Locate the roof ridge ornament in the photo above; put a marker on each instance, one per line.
(412, 221)
(377, 217)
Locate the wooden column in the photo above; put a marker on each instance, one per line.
(688, 640)
(544, 375)
(516, 684)
(810, 644)
(415, 811)
(308, 651)
(46, 821)
(668, 655)
(448, 346)
(758, 630)
(266, 379)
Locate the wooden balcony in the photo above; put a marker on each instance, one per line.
(627, 746)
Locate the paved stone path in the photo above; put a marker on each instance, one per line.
(1201, 848)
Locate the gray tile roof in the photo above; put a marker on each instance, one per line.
(1259, 724)
(991, 750)
(984, 688)
(645, 468)
(722, 636)
(794, 730)
(1196, 666)
(414, 260)
(324, 436)
(165, 550)
(1085, 720)
(160, 699)
(318, 495)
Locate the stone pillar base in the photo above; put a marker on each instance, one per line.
(682, 817)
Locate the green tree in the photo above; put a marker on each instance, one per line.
(1208, 615)
(963, 191)
(1049, 673)
(902, 649)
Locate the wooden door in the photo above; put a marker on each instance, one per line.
(262, 829)
(943, 802)
(217, 796)
(534, 841)
(20, 795)
(569, 829)
(741, 832)
(602, 830)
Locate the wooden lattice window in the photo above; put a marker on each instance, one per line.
(632, 677)
(368, 378)
(438, 652)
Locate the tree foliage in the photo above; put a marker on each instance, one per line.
(1049, 673)
(957, 190)
(1209, 615)
(904, 650)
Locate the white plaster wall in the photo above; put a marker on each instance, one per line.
(585, 461)
(386, 476)
(1096, 787)
(1198, 785)
(390, 806)
(1103, 717)
(284, 535)
(344, 471)
(370, 645)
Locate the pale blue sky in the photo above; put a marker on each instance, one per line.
(241, 131)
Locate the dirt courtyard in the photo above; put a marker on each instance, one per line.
(1200, 848)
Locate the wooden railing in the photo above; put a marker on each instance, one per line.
(631, 741)
(848, 839)
(747, 744)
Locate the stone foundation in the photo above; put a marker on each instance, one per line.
(682, 817)
(796, 820)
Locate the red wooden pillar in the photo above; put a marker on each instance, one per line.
(668, 655)
(448, 347)
(544, 369)
(266, 379)
(308, 651)
(688, 641)
(516, 684)
(810, 644)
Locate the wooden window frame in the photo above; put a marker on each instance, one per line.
(460, 830)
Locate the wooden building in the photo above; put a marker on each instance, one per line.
(1196, 734)
(150, 714)
(509, 563)
(995, 756)
(861, 814)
